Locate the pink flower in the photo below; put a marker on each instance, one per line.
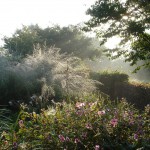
(61, 137)
(80, 105)
(97, 147)
(21, 123)
(67, 139)
(76, 140)
(114, 122)
(89, 126)
(84, 135)
(101, 112)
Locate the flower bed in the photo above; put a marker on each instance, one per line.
(82, 124)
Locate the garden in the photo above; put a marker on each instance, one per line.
(50, 97)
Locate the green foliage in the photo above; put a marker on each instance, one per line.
(70, 40)
(12, 84)
(22, 41)
(5, 120)
(111, 76)
(12, 87)
(109, 81)
(83, 124)
(129, 20)
(141, 50)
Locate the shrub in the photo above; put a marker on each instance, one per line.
(47, 73)
(116, 85)
(57, 72)
(12, 85)
(113, 77)
(110, 81)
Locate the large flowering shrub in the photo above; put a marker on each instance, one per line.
(47, 73)
(89, 124)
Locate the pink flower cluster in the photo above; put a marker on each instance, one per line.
(80, 105)
(63, 139)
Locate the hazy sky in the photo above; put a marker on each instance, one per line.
(15, 13)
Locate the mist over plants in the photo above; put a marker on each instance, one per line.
(58, 90)
(46, 72)
(106, 64)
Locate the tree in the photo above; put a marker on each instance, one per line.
(70, 39)
(23, 40)
(128, 19)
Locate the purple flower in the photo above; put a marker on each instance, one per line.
(89, 126)
(114, 122)
(136, 136)
(76, 140)
(130, 113)
(97, 147)
(84, 135)
(61, 137)
(15, 145)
